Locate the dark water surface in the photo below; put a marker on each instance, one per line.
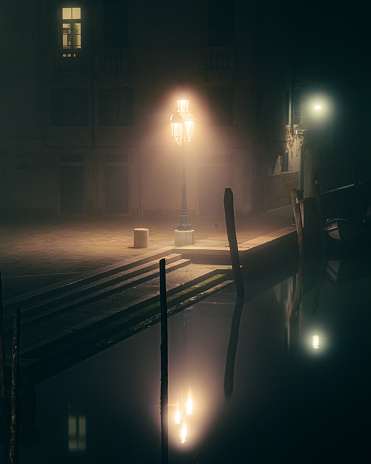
(294, 391)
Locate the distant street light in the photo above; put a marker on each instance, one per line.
(182, 128)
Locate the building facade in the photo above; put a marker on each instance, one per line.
(89, 87)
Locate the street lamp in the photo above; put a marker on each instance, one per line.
(182, 128)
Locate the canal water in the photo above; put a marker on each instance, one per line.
(282, 377)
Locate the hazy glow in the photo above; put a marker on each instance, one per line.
(189, 406)
(182, 106)
(315, 342)
(318, 107)
(184, 409)
(189, 126)
(183, 434)
(177, 416)
(182, 123)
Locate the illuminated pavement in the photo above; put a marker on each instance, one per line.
(43, 251)
(42, 255)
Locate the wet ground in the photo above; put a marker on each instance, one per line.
(268, 381)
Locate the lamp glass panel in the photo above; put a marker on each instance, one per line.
(182, 106)
(176, 129)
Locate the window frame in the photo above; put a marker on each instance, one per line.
(74, 47)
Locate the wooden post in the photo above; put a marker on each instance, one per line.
(164, 367)
(317, 193)
(298, 223)
(233, 247)
(2, 346)
(14, 425)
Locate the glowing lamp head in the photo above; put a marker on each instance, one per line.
(182, 106)
(182, 123)
(176, 122)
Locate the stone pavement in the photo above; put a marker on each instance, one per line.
(39, 251)
(54, 269)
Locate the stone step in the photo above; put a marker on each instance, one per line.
(68, 299)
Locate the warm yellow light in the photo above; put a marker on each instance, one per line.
(182, 106)
(183, 433)
(182, 123)
(189, 126)
(76, 13)
(317, 107)
(315, 342)
(66, 13)
(177, 416)
(71, 13)
(189, 406)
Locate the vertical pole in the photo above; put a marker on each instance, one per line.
(231, 232)
(164, 367)
(317, 194)
(14, 425)
(2, 347)
(297, 216)
(183, 223)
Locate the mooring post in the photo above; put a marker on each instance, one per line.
(14, 399)
(317, 193)
(164, 366)
(233, 247)
(2, 346)
(298, 222)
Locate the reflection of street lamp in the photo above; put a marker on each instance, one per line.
(182, 127)
(184, 408)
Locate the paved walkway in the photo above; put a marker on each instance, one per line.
(39, 251)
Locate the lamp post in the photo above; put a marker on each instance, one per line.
(182, 128)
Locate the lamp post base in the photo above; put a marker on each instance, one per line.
(183, 237)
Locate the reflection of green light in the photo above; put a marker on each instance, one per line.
(315, 342)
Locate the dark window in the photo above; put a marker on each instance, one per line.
(116, 107)
(115, 23)
(70, 107)
(220, 23)
(221, 106)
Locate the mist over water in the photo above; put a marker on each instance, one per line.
(245, 382)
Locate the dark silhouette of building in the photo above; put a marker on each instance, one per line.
(88, 88)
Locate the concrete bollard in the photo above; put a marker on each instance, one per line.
(141, 238)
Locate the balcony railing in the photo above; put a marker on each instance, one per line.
(105, 61)
(112, 60)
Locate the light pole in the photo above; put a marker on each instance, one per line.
(182, 128)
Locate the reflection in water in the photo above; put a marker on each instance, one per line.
(315, 342)
(76, 433)
(218, 350)
(181, 416)
(232, 347)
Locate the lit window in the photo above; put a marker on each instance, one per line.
(71, 30)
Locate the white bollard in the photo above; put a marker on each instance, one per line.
(141, 238)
